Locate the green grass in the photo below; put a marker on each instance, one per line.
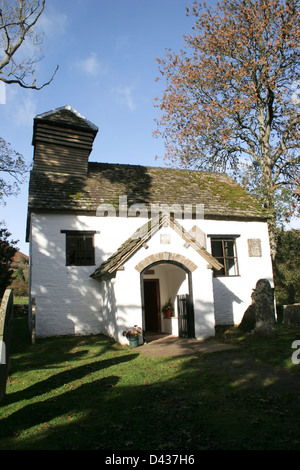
(20, 300)
(91, 393)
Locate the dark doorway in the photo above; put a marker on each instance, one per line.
(153, 290)
(152, 305)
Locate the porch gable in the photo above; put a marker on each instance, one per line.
(140, 238)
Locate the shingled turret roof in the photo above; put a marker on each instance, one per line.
(65, 116)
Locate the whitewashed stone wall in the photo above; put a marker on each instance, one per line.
(232, 295)
(68, 301)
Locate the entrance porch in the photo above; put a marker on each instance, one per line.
(161, 284)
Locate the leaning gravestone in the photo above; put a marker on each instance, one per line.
(6, 316)
(263, 298)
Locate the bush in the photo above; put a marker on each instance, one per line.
(287, 268)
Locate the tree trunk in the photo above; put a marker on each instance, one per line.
(269, 204)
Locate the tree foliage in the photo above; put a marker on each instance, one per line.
(287, 267)
(13, 167)
(7, 252)
(20, 277)
(18, 19)
(231, 101)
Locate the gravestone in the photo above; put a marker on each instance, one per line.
(6, 317)
(263, 298)
(291, 315)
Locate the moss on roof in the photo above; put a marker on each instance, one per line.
(105, 183)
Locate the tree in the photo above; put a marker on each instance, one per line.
(287, 267)
(20, 277)
(7, 251)
(231, 101)
(18, 19)
(12, 164)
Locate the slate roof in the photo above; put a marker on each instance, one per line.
(106, 182)
(132, 244)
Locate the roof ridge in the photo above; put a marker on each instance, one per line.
(188, 170)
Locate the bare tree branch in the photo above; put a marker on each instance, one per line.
(17, 21)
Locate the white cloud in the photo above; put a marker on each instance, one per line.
(52, 23)
(91, 65)
(21, 106)
(25, 111)
(124, 96)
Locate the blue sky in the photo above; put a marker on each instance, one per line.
(106, 52)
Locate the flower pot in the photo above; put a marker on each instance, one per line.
(133, 341)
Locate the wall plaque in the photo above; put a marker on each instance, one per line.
(254, 247)
(165, 238)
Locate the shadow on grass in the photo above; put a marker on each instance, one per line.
(68, 406)
(63, 378)
(54, 352)
(121, 400)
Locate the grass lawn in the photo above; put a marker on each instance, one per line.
(91, 393)
(20, 300)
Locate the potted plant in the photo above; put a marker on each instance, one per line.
(133, 335)
(168, 309)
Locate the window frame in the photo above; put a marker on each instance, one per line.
(222, 259)
(84, 256)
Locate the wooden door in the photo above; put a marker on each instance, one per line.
(152, 305)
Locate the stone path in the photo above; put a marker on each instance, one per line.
(168, 345)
